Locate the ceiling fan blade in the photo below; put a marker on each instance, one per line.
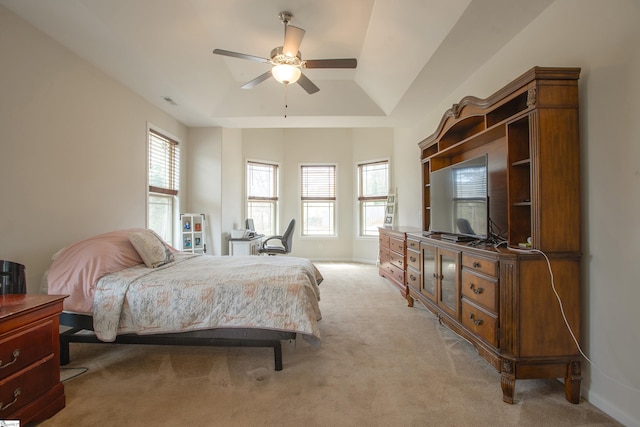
(253, 83)
(239, 55)
(307, 84)
(292, 39)
(331, 63)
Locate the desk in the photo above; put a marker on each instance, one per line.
(247, 246)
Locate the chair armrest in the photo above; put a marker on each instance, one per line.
(264, 242)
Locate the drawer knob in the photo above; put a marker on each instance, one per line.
(16, 393)
(413, 259)
(476, 264)
(16, 353)
(476, 290)
(475, 321)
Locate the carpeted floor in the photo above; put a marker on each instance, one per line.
(380, 364)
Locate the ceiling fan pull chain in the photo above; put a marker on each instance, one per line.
(285, 100)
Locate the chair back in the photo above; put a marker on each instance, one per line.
(287, 237)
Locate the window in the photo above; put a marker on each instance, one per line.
(373, 188)
(318, 197)
(164, 171)
(262, 196)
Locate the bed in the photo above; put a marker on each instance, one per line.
(129, 286)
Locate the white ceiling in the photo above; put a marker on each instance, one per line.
(411, 53)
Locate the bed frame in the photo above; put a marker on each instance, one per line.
(223, 337)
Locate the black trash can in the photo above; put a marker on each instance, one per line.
(12, 279)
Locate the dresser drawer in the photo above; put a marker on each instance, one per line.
(482, 265)
(383, 240)
(414, 245)
(21, 389)
(413, 259)
(395, 273)
(480, 290)
(480, 323)
(413, 279)
(22, 348)
(396, 245)
(396, 259)
(384, 254)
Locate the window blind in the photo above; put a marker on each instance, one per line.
(318, 182)
(164, 158)
(470, 183)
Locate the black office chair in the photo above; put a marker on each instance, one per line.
(284, 242)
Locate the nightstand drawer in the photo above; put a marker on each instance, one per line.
(21, 389)
(481, 290)
(24, 347)
(480, 323)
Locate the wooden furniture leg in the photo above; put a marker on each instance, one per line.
(572, 381)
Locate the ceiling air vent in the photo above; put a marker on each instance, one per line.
(169, 100)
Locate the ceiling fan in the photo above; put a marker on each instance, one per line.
(287, 60)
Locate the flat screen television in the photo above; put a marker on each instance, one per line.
(460, 201)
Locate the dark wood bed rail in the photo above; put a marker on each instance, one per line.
(221, 337)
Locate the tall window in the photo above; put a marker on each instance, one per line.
(318, 194)
(262, 196)
(164, 174)
(373, 188)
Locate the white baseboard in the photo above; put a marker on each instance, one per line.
(359, 261)
(613, 411)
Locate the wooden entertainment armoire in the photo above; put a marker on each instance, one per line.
(500, 297)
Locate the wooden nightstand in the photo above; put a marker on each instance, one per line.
(30, 387)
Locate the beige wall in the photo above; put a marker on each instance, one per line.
(72, 151)
(602, 38)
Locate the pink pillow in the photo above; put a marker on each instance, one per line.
(77, 268)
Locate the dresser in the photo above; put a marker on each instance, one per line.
(30, 387)
(393, 255)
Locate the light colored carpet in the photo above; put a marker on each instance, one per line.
(380, 364)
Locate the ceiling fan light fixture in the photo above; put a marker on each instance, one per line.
(286, 73)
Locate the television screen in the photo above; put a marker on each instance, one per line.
(459, 201)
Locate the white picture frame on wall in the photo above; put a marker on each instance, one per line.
(390, 210)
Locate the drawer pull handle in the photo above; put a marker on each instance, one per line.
(16, 393)
(16, 353)
(413, 259)
(413, 278)
(476, 290)
(476, 264)
(475, 321)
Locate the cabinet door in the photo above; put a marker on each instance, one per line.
(429, 272)
(449, 296)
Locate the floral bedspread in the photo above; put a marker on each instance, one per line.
(203, 292)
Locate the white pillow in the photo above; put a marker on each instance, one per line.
(151, 248)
